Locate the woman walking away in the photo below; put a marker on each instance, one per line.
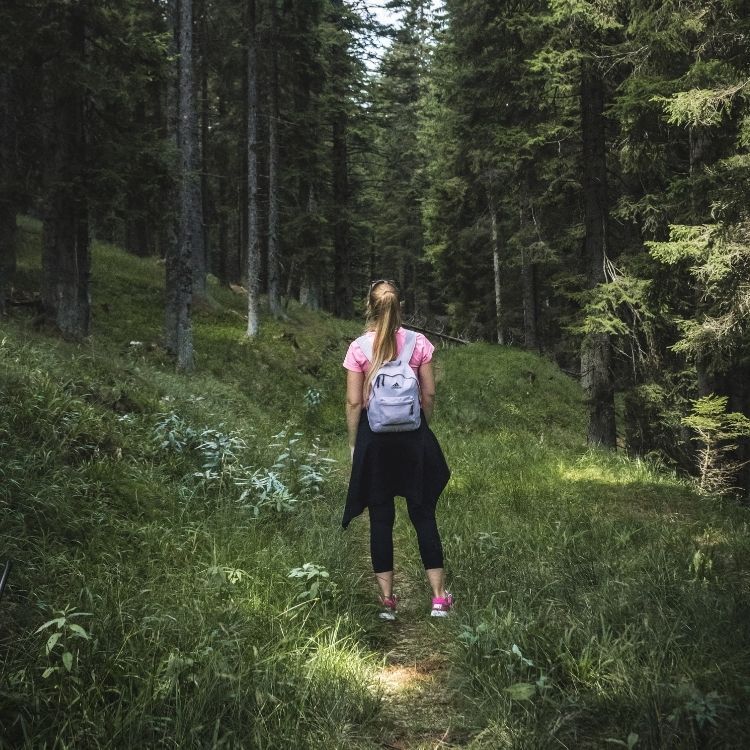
(390, 394)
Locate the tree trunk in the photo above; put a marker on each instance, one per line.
(596, 350)
(253, 243)
(274, 292)
(310, 281)
(224, 196)
(66, 257)
(738, 382)
(528, 277)
(205, 131)
(8, 200)
(530, 302)
(180, 260)
(344, 306)
(495, 236)
(190, 131)
(136, 221)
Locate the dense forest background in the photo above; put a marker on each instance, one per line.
(566, 176)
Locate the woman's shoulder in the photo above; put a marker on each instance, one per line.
(423, 347)
(421, 338)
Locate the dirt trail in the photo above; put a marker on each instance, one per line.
(420, 709)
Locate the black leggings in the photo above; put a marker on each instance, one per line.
(382, 517)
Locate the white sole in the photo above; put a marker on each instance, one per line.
(439, 613)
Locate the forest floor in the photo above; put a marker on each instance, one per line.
(421, 707)
(181, 579)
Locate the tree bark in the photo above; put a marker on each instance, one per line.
(274, 291)
(528, 277)
(224, 195)
(530, 302)
(8, 199)
(253, 243)
(495, 236)
(66, 256)
(344, 303)
(192, 165)
(205, 142)
(136, 221)
(310, 282)
(180, 259)
(596, 350)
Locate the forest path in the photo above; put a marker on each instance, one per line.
(421, 708)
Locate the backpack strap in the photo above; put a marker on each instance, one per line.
(409, 346)
(365, 343)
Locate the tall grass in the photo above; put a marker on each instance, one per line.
(161, 599)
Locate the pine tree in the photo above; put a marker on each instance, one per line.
(253, 239)
(66, 258)
(179, 279)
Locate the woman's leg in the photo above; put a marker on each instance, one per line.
(382, 517)
(430, 546)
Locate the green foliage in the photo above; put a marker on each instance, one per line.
(699, 107)
(571, 586)
(718, 258)
(717, 433)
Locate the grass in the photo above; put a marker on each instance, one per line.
(602, 602)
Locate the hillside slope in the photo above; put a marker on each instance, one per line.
(177, 547)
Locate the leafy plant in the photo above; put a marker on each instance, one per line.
(313, 398)
(263, 489)
(174, 434)
(60, 638)
(702, 708)
(218, 450)
(315, 582)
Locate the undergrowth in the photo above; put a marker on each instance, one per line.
(181, 581)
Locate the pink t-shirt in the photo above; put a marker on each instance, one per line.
(356, 361)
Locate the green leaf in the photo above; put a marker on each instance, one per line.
(78, 630)
(57, 621)
(67, 660)
(521, 691)
(47, 672)
(52, 640)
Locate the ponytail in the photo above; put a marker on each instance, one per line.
(383, 317)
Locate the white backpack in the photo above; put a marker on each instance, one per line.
(393, 405)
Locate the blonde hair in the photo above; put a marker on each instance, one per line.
(383, 316)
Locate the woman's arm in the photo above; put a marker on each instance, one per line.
(354, 383)
(427, 388)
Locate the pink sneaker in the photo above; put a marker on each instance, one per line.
(388, 607)
(441, 605)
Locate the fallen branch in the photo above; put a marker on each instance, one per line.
(437, 333)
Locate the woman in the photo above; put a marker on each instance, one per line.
(408, 464)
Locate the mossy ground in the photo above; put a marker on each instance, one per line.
(600, 600)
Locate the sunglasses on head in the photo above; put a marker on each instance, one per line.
(373, 284)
